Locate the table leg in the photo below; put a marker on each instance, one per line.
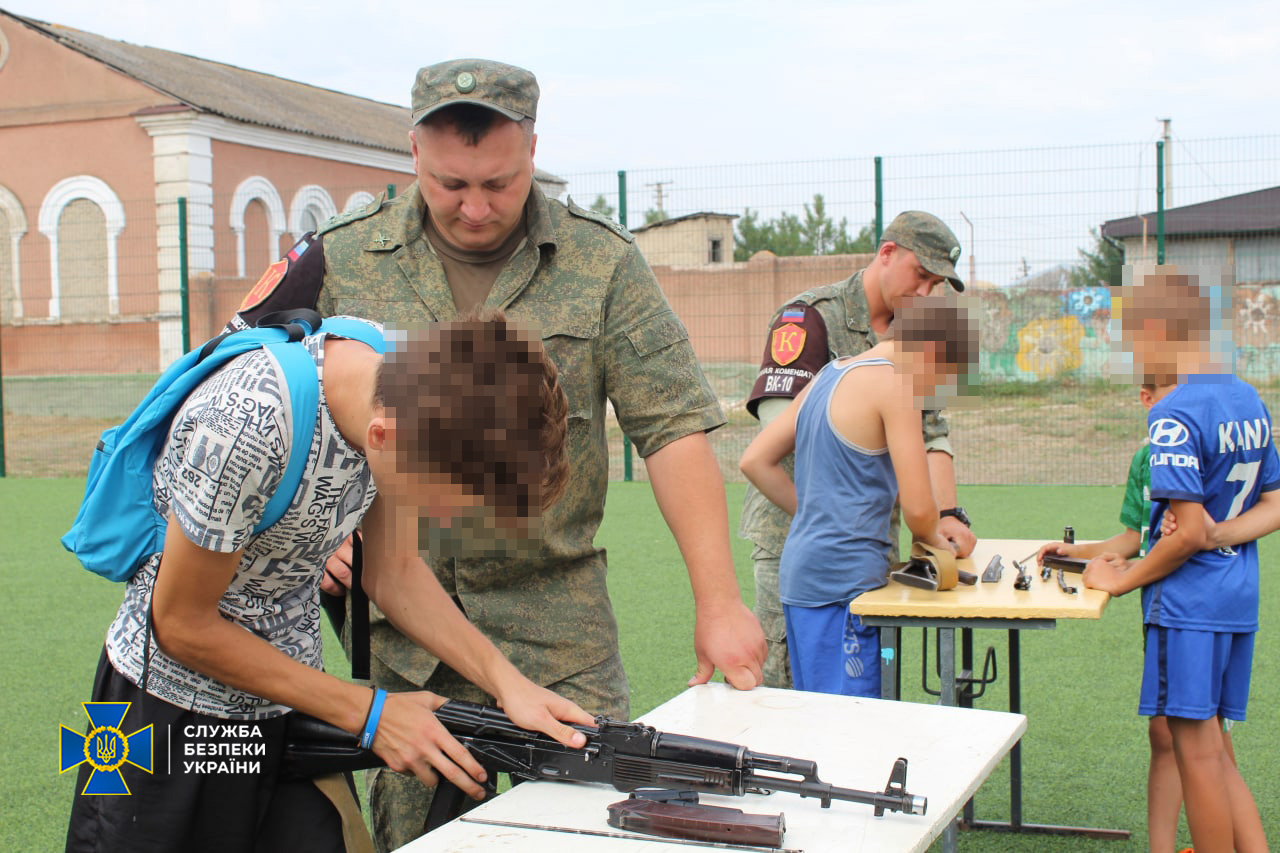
(1015, 707)
(950, 837)
(947, 677)
(890, 677)
(966, 698)
(947, 666)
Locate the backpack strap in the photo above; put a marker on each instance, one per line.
(356, 330)
(303, 383)
(298, 322)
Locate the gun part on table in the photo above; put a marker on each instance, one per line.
(677, 817)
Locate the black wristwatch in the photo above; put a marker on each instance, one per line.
(958, 513)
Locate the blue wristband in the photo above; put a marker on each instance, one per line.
(371, 722)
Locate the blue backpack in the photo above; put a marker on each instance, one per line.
(117, 528)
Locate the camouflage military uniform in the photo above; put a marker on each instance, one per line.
(844, 316)
(604, 321)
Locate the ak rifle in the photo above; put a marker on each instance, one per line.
(626, 756)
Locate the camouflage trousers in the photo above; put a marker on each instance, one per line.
(777, 666)
(398, 803)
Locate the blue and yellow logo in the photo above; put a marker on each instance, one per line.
(106, 748)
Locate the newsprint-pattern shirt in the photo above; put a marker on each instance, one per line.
(227, 449)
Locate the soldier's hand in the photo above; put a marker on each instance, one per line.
(959, 535)
(729, 638)
(337, 570)
(411, 740)
(539, 709)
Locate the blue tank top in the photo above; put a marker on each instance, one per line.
(838, 546)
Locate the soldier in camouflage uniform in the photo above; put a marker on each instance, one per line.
(475, 228)
(916, 253)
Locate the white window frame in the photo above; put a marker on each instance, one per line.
(63, 193)
(17, 219)
(259, 188)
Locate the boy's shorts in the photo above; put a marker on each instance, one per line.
(1196, 674)
(832, 652)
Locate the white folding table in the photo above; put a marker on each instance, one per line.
(950, 751)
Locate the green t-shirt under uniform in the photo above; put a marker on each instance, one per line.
(1135, 513)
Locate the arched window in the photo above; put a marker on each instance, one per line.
(310, 207)
(357, 199)
(261, 189)
(102, 215)
(13, 227)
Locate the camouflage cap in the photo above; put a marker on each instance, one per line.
(931, 240)
(509, 90)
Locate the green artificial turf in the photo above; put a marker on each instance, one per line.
(1084, 752)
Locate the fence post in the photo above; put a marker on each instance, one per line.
(184, 274)
(1159, 201)
(879, 206)
(622, 220)
(391, 191)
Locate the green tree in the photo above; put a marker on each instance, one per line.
(789, 234)
(1100, 267)
(651, 216)
(602, 206)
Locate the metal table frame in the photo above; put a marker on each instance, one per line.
(954, 694)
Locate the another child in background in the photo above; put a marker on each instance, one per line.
(855, 431)
(1211, 455)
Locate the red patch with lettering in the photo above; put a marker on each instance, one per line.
(266, 285)
(787, 343)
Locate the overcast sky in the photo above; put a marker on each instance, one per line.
(660, 83)
(706, 82)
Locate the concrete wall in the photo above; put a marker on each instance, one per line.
(727, 309)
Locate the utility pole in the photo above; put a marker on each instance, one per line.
(657, 191)
(1167, 136)
(973, 263)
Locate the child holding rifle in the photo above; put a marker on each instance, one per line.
(855, 431)
(220, 632)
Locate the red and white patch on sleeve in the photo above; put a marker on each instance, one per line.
(787, 343)
(265, 286)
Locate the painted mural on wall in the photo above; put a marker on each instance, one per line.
(1032, 335)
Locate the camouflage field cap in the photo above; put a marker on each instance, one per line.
(509, 90)
(931, 240)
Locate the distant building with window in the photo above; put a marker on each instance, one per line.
(692, 240)
(101, 138)
(1242, 231)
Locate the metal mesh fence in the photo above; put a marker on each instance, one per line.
(92, 301)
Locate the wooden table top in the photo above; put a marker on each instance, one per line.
(1045, 600)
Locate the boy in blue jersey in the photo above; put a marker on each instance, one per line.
(1164, 789)
(1211, 455)
(855, 432)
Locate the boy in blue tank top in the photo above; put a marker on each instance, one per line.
(1211, 456)
(855, 432)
